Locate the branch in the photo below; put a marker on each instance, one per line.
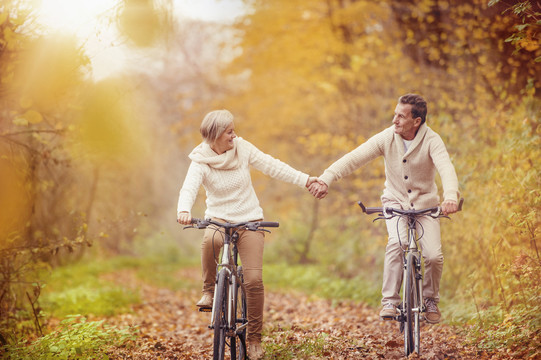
(34, 311)
(34, 131)
(20, 144)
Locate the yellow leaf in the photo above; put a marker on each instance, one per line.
(33, 117)
(20, 121)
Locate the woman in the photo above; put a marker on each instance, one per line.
(222, 165)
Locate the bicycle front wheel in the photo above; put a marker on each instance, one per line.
(238, 342)
(220, 315)
(412, 307)
(418, 305)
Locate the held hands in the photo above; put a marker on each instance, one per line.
(184, 218)
(317, 187)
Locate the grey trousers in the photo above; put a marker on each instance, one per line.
(431, 249)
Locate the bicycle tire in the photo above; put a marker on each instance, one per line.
(220, 315)
(409, 290)
(418, 305)
(238, 343)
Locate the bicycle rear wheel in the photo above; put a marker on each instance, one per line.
(220, 315)
(411, 306)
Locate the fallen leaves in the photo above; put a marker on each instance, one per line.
(297, 326)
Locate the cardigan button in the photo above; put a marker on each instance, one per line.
(404, 160)
(406, 177)
(411, 204)
(409, 190)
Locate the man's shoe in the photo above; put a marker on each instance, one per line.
(388, 312)
(205, 302)
(255, 351)
(432, 313)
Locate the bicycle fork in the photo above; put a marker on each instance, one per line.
(413, 247)
(418, 280)
(232, 293)
(224, 265)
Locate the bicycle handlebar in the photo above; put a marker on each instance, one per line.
(433, 211)
(249, 225)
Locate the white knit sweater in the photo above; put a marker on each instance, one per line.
(410, 175)
(227, 182)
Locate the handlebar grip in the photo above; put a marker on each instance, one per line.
(370, 210)
(460, 202)
(268, 224)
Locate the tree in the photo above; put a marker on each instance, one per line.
(315, 79)
(35, 99)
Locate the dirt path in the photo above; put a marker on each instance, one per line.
(171, 328)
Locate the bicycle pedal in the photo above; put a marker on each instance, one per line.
(205, 309)
(387, 318)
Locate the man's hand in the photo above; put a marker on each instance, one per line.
(184, 218)
(449, 207)
(319, 189)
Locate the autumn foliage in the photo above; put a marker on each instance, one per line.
(87, 162)
(321, 77)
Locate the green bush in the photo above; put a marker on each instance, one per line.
(515, 323)
(75, 339)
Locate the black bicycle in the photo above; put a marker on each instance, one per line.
(411, 310)
(229, 313)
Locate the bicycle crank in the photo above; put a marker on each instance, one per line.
(240, 328)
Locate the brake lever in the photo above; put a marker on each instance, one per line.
(254, 227)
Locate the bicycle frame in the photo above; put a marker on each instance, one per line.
(229, 279)
(412, 303)
(231, 268)
(411, 253)
(413, 248)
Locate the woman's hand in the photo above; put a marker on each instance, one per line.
(184, 218)
(311, 180)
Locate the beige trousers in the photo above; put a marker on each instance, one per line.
(250, 245)
(430, 244)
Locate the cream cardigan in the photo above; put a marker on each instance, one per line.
(410, 175)
(227, 181)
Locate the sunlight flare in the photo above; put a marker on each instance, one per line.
(79, 17)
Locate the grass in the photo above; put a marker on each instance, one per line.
(75, 338)
(89, 288)
(166, 274)
(315, 280)
(287, 344)
(81, 289)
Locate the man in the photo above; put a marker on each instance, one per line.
(413, 153)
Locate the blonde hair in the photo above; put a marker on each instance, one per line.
(214, 125)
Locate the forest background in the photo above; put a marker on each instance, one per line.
(91, 168)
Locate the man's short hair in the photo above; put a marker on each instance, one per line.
(418, 105)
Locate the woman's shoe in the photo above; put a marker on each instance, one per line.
(255, 351)
(205, 302)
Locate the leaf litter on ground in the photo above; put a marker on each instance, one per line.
(297, 326)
